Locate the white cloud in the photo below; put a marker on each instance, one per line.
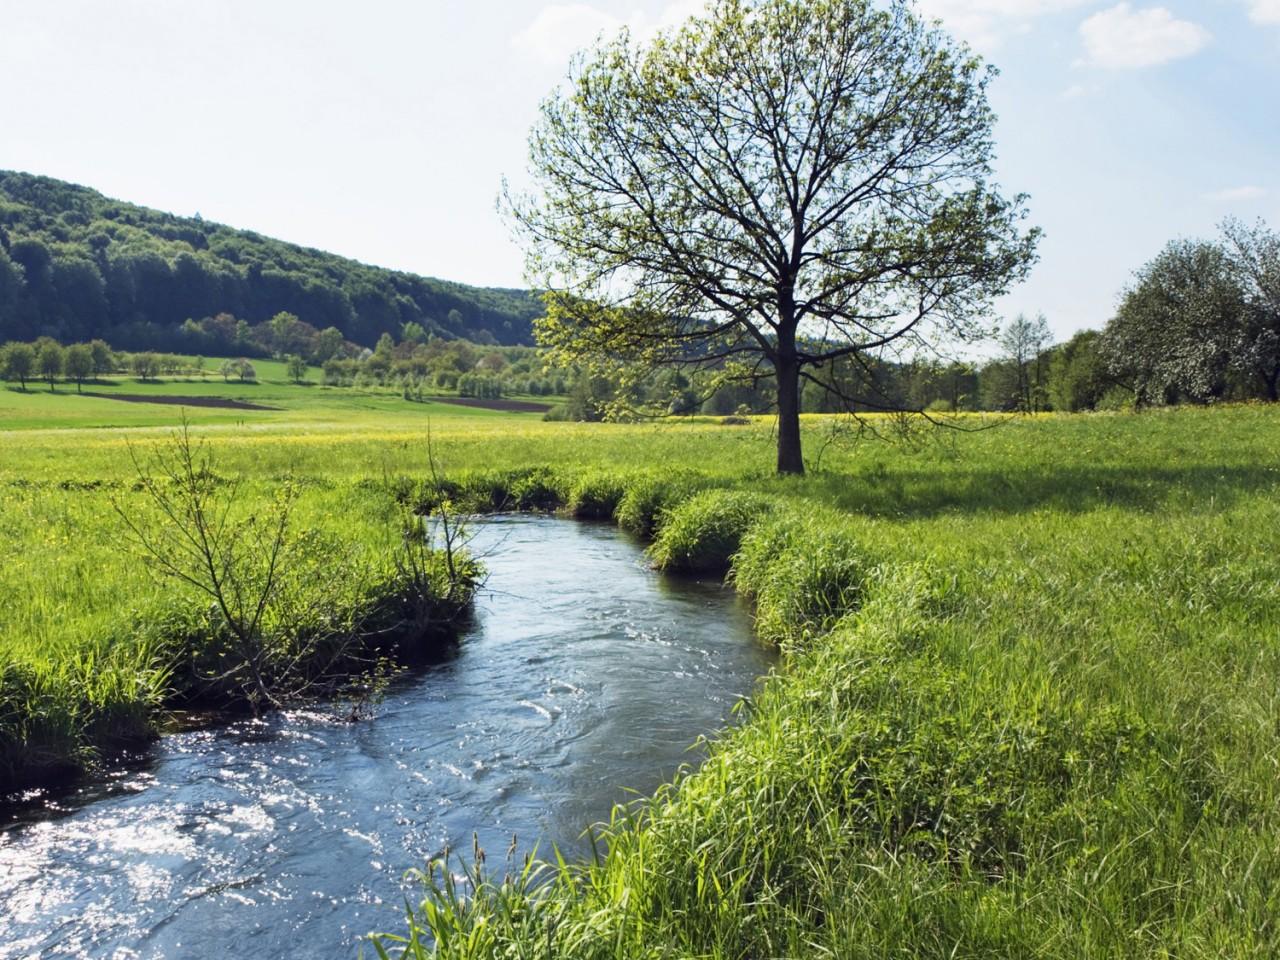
(561, 29)
(986, 23)
(1077, 91)
(1264, 11)
(1124, 38)
(1236, 194)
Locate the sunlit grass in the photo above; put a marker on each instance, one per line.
(1028, 709)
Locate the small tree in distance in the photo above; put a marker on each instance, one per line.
(50, 359)
(102, 359)
(18, 362)
(297, 369)
(1024, 340)
(146, 365)
(79, 364)
(779, 184)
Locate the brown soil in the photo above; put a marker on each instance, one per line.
(510, 406)
(223, 403)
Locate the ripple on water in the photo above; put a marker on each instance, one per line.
(587, 674)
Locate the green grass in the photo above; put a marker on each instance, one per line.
(39, 408)
(1028, 710)
(1028, 705)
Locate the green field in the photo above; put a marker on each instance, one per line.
(37, 407)
(1028, 705)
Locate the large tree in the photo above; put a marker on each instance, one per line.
(1255, 255)
(1177, 332)
(785, 183)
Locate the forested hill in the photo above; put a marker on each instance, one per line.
(76, 265)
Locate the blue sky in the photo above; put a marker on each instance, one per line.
(381, 129)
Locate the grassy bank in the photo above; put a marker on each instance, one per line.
(111, 618)
(1027, 708)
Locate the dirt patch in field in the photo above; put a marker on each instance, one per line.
(222, 403)
(510, 406)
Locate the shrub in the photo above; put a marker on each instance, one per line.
(536, 489)
(703, 533)
(595, 496)
(804, 574)
(647, 498)
(496, 491)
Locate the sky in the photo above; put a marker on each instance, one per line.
(381, 130)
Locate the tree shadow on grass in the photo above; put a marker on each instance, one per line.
(1074, 489)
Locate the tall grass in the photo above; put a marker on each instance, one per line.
(1028, 706)
(701, 534)
(1043, 725)
(94, 644)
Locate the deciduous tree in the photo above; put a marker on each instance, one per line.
(1177, 332)
(297, 369)
(146, 365)
(1255, 255)
(781, 182)
(50, 359)
(18, 362)
(1077, 376)
(1024, 340)
(79, 364)
(102, 359)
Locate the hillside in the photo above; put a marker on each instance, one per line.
(75, 265)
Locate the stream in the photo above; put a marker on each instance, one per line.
(584, 679)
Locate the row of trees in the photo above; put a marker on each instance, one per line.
(46, 359)
(49, 360)
(1029, 376)
(420, 362)
(283, 335)
(1200, 322)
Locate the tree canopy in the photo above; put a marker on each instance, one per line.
(1177, 332)
(1255, 259)
(75, 265)
(780, 184)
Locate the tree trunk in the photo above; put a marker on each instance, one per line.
(789, 456)
(1273, 384)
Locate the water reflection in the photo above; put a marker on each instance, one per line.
(585, 674)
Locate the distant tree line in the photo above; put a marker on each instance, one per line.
(420, 365)
(75, 265)
(282, 336)
(1199, 323)
(46, 360)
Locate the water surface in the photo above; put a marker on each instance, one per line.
(585, 676)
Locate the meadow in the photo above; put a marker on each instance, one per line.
(1027, 705)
